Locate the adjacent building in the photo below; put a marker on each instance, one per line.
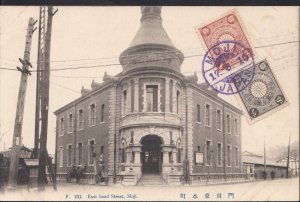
(150, 118)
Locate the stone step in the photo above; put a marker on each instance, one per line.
(151, 180)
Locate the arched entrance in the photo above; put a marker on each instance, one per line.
(151, 154)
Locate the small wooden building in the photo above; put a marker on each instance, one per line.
(253, 165)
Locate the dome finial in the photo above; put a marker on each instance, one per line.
(151, 12)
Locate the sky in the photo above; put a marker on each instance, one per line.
(91, 36)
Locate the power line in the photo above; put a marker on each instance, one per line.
(118, 64)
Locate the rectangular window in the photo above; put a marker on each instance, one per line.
(61, 156)
(102, 113)
(91, 151)
(207, 115)
(92, 115)
(69, 155)
(124, 102)
(198, 113)
(236, 157)
(61, 127)
(132, 157)
(79, 159)
(132, 96)
(177, 101)
(208, 153)
(219, 119)
(236, 127)
(70, 124)
(171, 96)
(80, 119)
(152, 98)
(228, 123)
(219, 154)
(228, 156)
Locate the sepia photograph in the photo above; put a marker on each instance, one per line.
(149, 103)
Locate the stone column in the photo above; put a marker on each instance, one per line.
(128, 156)
(175, 156)
(167, 95)
(136, 95)
(166, 157)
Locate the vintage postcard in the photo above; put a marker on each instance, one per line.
(149, 103)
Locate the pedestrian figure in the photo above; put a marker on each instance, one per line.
(272, 174)
(264, 175)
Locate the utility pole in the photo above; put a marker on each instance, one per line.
(17, 140)
(40, 68)
(43, 154)
(224, 143)
(265, 172)
(288, 158)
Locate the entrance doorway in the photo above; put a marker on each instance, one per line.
(151, 154)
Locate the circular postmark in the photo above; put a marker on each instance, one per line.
(228, 67)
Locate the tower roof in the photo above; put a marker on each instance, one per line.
(151, 46)
(151, 30)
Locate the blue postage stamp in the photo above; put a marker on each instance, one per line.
(263, 94)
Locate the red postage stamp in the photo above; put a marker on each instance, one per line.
(226, 28)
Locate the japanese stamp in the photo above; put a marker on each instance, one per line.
(226, 28)
(224, 68)
(230, 58)
(263, 95)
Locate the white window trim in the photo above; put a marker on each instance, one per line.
(61, 149)
(199, 122)
(226, 124)
(236, 126)
(89, 160)
(124, 110)
(80, 128)
(70, 132)
(221, 120)
(230, 148)
(69, 164)
(179, 100)
(210, 117)
(77, 159)
(90, 117)
(211, 157)
(61, 126)
(101, 111)
(158, 96)
(238, 151)
(220, 165)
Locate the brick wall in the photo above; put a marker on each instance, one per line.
(99, 132)
(203, 132)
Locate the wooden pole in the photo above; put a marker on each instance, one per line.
(265, 173)
(43, 156)
(40, 63)
(224, 143)
(288, 158)
(17, 140)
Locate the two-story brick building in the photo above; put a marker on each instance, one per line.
(150, 118)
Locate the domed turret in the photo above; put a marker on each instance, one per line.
(151, 46)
